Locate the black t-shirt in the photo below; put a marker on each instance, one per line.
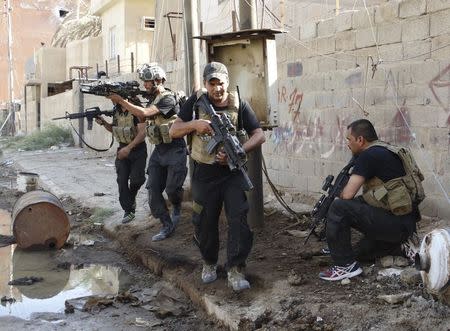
(380, 162)
(168, 107)
(210, 172)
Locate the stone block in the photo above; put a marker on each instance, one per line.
(392, 52)
(344, 21)
(438, 47)
(326, 45)
(408, 8)
(310, 65)
(416, 29)
(436, 5)
(327, 64)
(345, 61)
(417, 50)
(389, 33)
(439, 23)
(366, 37)
(425, 71)
(342, 98)
(308, 30)
(345, 40)
(324, 99)
(362, 20)
(387, 12)
(326, 27)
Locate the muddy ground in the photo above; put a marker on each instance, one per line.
(86, 246)
(306, 303)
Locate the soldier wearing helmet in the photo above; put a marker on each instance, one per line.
(167, 164)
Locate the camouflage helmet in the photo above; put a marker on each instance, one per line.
(151, 72)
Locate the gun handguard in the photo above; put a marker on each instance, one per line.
(320, 209)
(126, 90)
(89, 113)
(223, 128)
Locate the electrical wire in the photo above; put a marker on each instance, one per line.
(278, 196)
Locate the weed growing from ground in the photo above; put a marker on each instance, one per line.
(50, 135)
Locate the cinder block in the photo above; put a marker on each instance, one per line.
(389, 33)
(366, 37)
(442, 206)
(387, 12)
(306, 167)
(417, 50)
(345, 40)
(345, 61)
(326, 45)
(326, 27)
(324, 99)
(362, 20)
(342, 98)
(310, 65)
(344, 21)
(439, 47)
(436, 5)
(439, 23)
(392, 52)
(308, 30)
(424, 72)
(308, 101)
(327, 64)
(408, 8)
(416, 29)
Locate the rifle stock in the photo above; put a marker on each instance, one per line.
(333, 190)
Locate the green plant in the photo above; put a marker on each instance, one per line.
(49, 136)
(99, 214)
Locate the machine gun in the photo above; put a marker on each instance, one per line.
(89, 113)
(320, 209)
(127, 90)
(223, 134)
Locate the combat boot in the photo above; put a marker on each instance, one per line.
(237, 280)
(166, 230)
(176, 214)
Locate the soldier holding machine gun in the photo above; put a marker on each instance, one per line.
(219, 176)
(130, 159)
(167, 164)
(387, 211)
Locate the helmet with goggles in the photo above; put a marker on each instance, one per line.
(151, 72)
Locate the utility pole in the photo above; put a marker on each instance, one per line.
(247, 16)
(10, 70)
(192, 46)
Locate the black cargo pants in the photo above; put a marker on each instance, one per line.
(207, 206)
(131, 176)
(383, 231)
(166, 172)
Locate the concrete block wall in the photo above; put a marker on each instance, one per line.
(389, 64)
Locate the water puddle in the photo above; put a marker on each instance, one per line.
(59, 282)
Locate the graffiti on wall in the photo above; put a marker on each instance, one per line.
(299, 132)
(442, 83)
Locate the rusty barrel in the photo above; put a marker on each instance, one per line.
(39, 221)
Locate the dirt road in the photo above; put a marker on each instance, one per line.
(286, 292)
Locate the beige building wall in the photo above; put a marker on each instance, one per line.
(87, 52)
(123, 34)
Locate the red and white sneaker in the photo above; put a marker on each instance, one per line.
(338, 272)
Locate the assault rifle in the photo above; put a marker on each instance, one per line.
(128, 90)
(89, 113)
(320, 209)
(223, 134)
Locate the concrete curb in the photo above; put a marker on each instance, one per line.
(173, 273)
